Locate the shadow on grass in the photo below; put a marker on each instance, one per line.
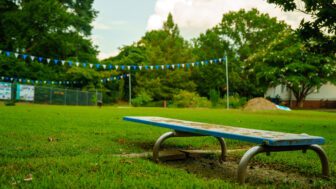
(258, 175)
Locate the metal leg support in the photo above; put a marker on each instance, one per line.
(323, 157)
(242, 167)
(158, 144)
(223, 149)
(245, 160)
(170, 134)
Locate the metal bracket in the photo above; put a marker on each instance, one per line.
(242, 167)
(171, 134)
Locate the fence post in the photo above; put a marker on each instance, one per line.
(77, 96)
(35, 89)
(87, 98)
(96, 97)
(65, 97)
(50, 102)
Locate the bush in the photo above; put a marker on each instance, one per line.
(186, 99)
(142, 99)
(277, 100)
(214, 97)
(234, 101)
(10, 103)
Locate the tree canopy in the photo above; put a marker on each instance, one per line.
(319, 32)
(240, 34)
(287, 61)
(53, 28)
(57, 29)
(261, 51)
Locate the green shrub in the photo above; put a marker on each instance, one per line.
(142, 99)
(214, 97)
(186, 99)
(277, 99)
(234, 101)
(10, 103)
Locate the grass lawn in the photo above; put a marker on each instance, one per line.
(75, 147)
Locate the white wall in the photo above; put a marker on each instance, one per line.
(280, 90)
(326, 92)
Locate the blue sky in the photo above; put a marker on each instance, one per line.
(122, 22)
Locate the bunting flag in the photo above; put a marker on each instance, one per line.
(112, 67)
(31, 81)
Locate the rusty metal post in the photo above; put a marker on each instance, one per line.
(223, 149)
(242, 167)
(170, 134)
(158, 143)
(323, 158)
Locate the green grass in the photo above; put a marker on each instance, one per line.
(86, 138)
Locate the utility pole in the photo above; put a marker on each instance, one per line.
(130, 89)
(227, 83)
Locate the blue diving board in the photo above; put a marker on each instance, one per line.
(267, 138)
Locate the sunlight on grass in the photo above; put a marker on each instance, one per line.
(74, 146)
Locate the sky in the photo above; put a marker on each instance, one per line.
(123, 22)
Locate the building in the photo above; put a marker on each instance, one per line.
(324, 97)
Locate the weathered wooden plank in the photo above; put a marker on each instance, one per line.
(270, 138)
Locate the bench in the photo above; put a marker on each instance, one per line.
(268, 141)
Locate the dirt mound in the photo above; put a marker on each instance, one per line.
(256, 104)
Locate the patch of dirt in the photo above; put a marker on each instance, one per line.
(257, 175)
(256, 104)
(206, 164)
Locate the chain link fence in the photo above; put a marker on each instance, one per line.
(49, 95)
(59, 96)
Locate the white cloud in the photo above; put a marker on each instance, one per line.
(101, 26)
(116, 24)
(104, 55)
(97, 39)
(195, 16)
(155, 22)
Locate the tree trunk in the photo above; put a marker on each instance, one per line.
(299, 103)
(301, 94)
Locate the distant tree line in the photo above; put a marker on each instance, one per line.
(261, 50)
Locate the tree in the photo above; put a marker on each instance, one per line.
(130, 56)
(319, 34)
(52, 28)
(158, 47)
(163, 47)
(289, 62)
(207, 46)
(240, 34)
(57, 29)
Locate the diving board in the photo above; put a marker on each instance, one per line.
(268, 141)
